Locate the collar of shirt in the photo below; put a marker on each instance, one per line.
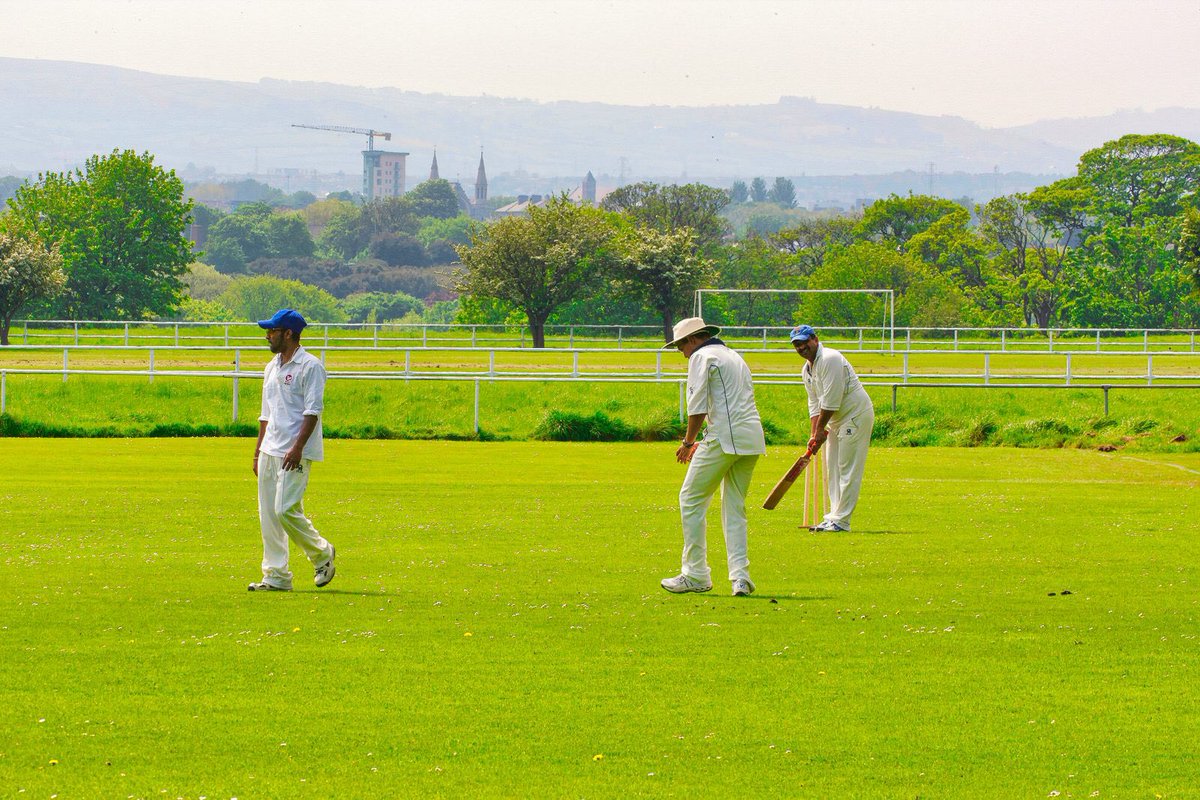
(295, 356)
(713, 340)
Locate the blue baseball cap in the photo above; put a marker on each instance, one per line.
(284, 318)
(803, 333)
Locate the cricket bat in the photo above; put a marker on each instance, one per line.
(787, 480)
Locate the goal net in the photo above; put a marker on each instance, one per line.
(864, 315)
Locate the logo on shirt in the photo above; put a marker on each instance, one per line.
(287, 379)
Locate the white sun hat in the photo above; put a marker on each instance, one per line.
(690, 327)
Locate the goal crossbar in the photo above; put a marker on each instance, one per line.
(889, 305)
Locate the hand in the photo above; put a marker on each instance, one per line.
(256, 465)
(291, 461)
(684, 454)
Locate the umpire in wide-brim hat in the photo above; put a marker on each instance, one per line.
(687, 328)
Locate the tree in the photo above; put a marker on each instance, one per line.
(205, 283)
(434, 198)
(662, 270)
(119, 224)
(897, 219)
(398, 250)
(29, 271)
(809, 239)
(536, 263)
(255, 231)
(1189, 244)
(1031, 237)
(380, 306)
(260, 296)
(1140, 176)
(739, 193)
(669, 208)
(758, 190)
(783, 193)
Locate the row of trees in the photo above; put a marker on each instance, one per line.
(782, 192)
(1115, 245)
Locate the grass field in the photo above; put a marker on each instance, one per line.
(1000, 623)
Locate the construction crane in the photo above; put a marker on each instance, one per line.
(370, 134)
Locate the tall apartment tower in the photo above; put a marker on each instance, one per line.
(481, 184)
(383, 174)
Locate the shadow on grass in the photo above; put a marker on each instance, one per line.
(776, 598)
(349, 592)
(857, 532)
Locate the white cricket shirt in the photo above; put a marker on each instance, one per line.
(292, 391)
(832, 385)
(719, 385)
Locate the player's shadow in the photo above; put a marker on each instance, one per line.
(779, 598)
(856, 532)
(343, 592)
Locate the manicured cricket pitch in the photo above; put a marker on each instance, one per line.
(999, 623)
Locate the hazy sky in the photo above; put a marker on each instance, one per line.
(997, 62)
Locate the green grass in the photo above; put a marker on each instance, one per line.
(1139, 419)
(496, 629)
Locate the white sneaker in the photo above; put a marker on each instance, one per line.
(743, 587)
(830, 525)
(682, 583)
(326, 571)
(263, 586)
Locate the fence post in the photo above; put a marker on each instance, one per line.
(1149, 370)
(956, 340)
(682, 400)
(407, 362)
(424, 336)
(658, 364)
(235, 398)
(64, 365)
(1146, 340)
(1050, 331)
(326, 328)
(477, 406)
(618, 337)
(987, 371)
(76, 333)
(473, 335)
(895, 388)
(1068, 369)
(764, 337)
(906, 366)
(177, 334)
(3, 390)
(151, 370)
(1106, 388)
(127, 334)
(1097, 340)
(572, 329)
(575, 364)
(1003, 339)
(491, 362)
(860, 339)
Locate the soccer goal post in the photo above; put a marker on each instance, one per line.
(862, 317)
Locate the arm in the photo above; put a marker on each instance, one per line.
(820, 429)
(687, 447)
(262, 431)
(292, 459)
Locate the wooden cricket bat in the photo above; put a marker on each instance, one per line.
(787, 480)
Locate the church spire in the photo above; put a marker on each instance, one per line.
(433, 170)
(481, 182)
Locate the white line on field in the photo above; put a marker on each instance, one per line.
(1162, 464)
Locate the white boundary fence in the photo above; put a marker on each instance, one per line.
(237, 376)
(382, 335)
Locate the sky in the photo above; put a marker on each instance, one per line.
(995, 62)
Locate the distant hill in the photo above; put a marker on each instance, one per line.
(56, 114)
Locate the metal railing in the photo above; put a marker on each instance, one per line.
(237, 376)
(852, 338)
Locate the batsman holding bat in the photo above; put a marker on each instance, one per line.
(842, 416)
(721, 393)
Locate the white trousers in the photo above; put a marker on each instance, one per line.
(845, 459)
(281, 515)
(710, 467)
